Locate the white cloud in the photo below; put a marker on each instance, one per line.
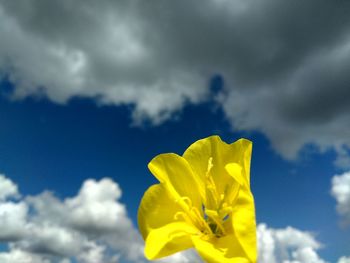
(17, 255)
(187, 256)
(288, 245)
(52, 239)
(12, 214)
(91, 227)
(341, 192)
(307, 255)
(344, 260)
(13, 220)
(95, 254)
(7, 188)
(96, 200)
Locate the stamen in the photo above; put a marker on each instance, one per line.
(214, 216)
(212, 195)
(216, 209)
(187, 200)
(191, 214)
(201, 220)
(187, 219)
(184, 202)
(210, 165)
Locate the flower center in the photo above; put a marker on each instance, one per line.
(215, 210)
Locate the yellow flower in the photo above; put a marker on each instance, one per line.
(203, 201)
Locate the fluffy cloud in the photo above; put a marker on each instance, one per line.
(96, 201)
(7, 188)
(341, 192)
(285, 69)
(90, 227)
(93, 227)
(287, 245)
(12, 214)
(12, 220)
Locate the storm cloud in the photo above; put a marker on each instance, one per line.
(285, 64)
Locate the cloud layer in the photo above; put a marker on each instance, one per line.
(285, 64)
(99, 51)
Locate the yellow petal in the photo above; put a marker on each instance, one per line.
(241, 154)
(199, 153)
(178, 178)
(243, 220)
(235, 171)
(220, 250)
(237, 181)
(169, 239)
(156, 209)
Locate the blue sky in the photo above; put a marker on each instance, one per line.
(100, 93)
(45, 146)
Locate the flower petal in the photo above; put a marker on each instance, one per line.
(242, 150)
(169, 239)
(235, 171)
(178, 178)
(199, 153)
(243, 220)
(156, 209)
(220, 250)
(237, 181)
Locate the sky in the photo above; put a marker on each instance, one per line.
(91, 92)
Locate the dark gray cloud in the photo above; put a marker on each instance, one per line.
(310, 105)
(286, 64)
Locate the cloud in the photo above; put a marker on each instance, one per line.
(98, 51)
(343, 157)
(341, 192)
(7, 188)
(96, 201)
(306, 106)
(16, 256)
(90, 227)
(288, 245)
(12, 220)
(285, 69)
(187, 256)
(344, 260)
(12, 214)
(93, 227)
